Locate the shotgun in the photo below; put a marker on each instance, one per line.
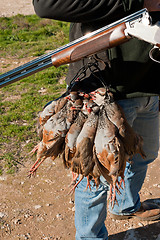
(137, 25)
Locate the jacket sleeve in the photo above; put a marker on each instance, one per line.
(85, 10)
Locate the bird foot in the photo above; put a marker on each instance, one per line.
(75, 185)
(115, 189)
(33, 150)
(88, 184)
(96, 182)
(74, 179)
(112, 195)
(32, 171)
(120, 183)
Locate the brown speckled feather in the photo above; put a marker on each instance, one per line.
(84, 145)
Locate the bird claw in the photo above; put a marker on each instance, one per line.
(33, 150)
(74, 179)
(75, 185)
(115, 188)
(120, 183)
(113, 201)
(88, 184)
(32, 171)
(112, 195)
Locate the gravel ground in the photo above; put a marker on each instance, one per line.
(14, 7)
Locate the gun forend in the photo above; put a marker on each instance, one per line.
(99, 40)
(91, 45)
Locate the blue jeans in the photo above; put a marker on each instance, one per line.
(90, 206)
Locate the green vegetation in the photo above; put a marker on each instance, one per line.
(23, 37)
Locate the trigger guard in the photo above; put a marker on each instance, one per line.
(154, 54)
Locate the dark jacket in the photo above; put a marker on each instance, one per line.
(130, 72)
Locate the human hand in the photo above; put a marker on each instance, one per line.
(152, 5)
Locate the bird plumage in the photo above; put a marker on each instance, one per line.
(92, 134)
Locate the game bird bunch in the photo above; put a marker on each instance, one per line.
(91, 134)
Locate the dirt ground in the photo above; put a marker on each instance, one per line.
(14, 7)
(40, 207)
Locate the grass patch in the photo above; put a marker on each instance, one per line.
(21, 37)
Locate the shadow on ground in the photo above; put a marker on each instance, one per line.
(149, 232)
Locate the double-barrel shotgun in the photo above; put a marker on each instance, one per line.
(138, 24)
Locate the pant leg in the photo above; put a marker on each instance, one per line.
(142, 114)
(90, 212)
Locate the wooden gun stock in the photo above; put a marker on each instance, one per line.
(109, 38)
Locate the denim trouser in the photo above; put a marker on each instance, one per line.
(90, 206)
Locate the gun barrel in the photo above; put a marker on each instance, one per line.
(73, 51)
(27, 69)
(22, 72)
